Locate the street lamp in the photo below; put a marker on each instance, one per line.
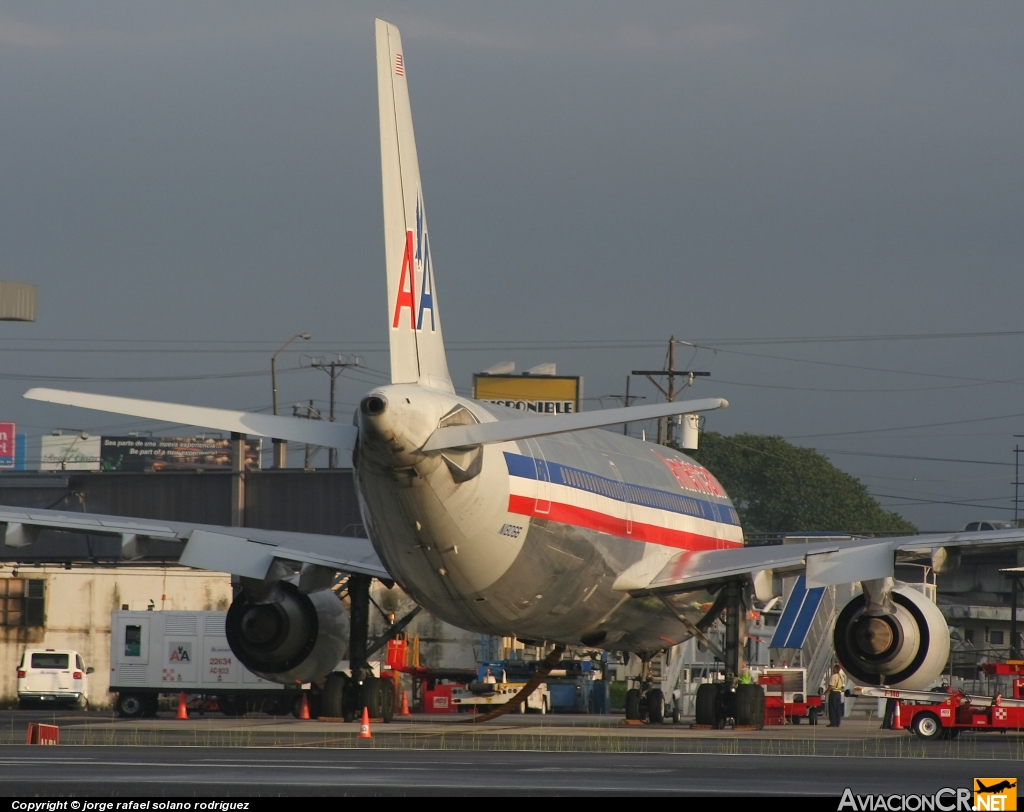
(281, 446)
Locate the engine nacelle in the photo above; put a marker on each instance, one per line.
(907, 649)
(299, 638)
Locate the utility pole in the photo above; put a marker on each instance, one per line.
(334, 368)
(666, 426)
(626, 400)
(281, 446)
(1016, 481)
(312, 413)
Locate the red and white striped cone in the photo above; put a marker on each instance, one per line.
(897, 723)
(364, 726)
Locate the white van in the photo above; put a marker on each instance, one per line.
(52, 676)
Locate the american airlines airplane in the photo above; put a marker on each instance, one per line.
(542, 527)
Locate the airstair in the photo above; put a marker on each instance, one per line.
(803, 638)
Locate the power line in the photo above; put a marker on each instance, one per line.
(909, 500)
(910, 457)
(593, 343)
(902, 428)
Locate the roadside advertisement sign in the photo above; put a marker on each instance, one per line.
(544, 394)
(173, 454)
(8, 445)
(70, 452)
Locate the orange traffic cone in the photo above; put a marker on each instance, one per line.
(182, 706)
(304, 706)
(897, 724)
(364, 727)
(405, 704)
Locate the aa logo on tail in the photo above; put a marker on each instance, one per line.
(416, 266)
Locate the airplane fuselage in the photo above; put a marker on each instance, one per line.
(534, 538)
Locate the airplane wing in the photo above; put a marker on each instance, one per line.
(300, 430)
(825, 563)
(244, 551)
(520, 429)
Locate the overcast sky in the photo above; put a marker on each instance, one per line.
(189, 184)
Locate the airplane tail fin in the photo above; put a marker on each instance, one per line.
(417, 349)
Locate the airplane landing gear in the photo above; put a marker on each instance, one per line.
(645, 703)
(718, 702)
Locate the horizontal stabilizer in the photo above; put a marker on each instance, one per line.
(315, 432)
(520, 429)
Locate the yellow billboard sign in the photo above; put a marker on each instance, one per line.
(544, 394)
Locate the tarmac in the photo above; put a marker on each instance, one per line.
(553, 754)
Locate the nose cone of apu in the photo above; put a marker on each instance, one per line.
(395, 422)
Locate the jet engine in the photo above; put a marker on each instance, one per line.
(906, 649)
(291, 637)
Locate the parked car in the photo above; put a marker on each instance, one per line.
(989, 524)
(52, 677)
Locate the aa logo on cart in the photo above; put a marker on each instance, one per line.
(995, 793)
(180, 653)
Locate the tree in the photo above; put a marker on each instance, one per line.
(778, 487)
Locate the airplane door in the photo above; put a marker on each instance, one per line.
(543, 506)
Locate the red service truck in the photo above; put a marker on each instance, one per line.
(944, 715)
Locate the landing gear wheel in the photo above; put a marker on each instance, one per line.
(707, 702)
(388, 692)
(656, 706)
(130, 706)
(373, 698)
(332, 697)
(633, 704)
(749, 706)
(675, 712)
(927, 725)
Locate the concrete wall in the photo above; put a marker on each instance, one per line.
(78, 606)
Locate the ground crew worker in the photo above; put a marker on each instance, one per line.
(489, 677)
(836, 687)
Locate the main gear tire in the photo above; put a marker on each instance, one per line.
(373, 698)
(633, 704)
(656, 706)
(332, 697)
(388, 710)
(707, 701)
(749, 706)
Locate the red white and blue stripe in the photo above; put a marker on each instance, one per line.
(580, 498)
